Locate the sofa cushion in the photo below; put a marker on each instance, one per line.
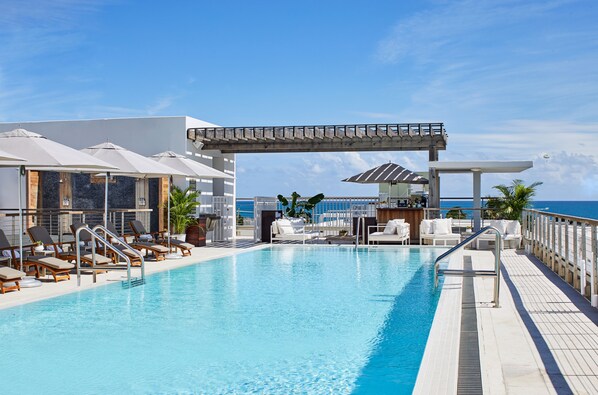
(442, 226)
(501, 225)
(427, 226)
(298, 224)
(390, 228)
(285, 227)
(513, 228)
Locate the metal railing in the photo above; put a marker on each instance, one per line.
(567, 245)
(57, 221)
(473, 273)
(95, 238)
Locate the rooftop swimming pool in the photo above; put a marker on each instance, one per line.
(279, 320)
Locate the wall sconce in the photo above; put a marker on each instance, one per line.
(66, 202)
(141, 201)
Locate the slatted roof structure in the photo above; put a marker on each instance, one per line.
(323, 138)
(388, 173)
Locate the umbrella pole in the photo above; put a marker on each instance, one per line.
(170, 255)
(21, 170)
(106, 201)
(168, 227)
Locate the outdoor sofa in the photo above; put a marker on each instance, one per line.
(394, 231)
(433, 231)
(291, 229)
(510, 232)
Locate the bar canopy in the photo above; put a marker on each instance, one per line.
(482, 166)
(477, 168)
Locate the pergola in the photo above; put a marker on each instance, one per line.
(429, 137)
(477, 168)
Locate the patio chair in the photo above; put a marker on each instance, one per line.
(142, 235)
(85, 236)
(10, 276)
(40, 234)
(10, 251)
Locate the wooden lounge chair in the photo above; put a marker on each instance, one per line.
(9, 275)
(10, 251)
(40, 234)
(142, 235)
(158, 250)
(85, 236)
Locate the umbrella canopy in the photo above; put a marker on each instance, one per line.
(188, 166)
(5, 156)
(33, 149)
(130, 163)
(37, 150)
(390, 173)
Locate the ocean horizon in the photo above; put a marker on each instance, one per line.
(576, 208)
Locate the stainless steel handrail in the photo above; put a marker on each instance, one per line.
(119, 240)
(473, 273)
(94, 238)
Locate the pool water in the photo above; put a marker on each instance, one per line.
(280, 320)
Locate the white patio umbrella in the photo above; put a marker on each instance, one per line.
(129, 164)
(191, 168)
(36, 151)
(5, 156)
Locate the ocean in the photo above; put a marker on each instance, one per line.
(585, 209)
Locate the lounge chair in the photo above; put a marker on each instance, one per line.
(85, 236)
(157, 249)
(10, 251)
(285, 229)
(59, 268)
(394, 231)
(436, 230)
(40, 234)
(142, 235)
(9, 275)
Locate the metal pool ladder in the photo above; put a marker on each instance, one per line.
(95, 236)
(473, 273)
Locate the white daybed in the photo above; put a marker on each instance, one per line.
(395, 231)
(285, 229)
(510, 232)
(432, 231)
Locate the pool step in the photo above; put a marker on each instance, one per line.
(135, 282)
(467, 273)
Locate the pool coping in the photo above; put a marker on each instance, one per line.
(510, 363)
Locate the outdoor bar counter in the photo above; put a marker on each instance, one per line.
(413, 216)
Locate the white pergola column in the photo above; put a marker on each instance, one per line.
(477, 200)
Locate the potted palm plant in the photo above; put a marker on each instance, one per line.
(183, 204)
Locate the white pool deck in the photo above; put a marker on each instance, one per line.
(542, 340)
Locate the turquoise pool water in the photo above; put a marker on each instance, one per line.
(281, 320)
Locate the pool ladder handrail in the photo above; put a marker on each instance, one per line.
(474, 273)
(95, 237)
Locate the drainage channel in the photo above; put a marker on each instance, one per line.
(469, 380)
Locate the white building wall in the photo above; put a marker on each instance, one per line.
(146, 136)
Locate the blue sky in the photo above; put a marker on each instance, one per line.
(510, 79)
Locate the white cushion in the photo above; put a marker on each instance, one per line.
(398, 220)
(442, 226)
(7, 253)
(298, 224)
(499, 224)
(427, 226)
(390, 228)
(403, 229)
(146, 237)
(513, 228)
(285, 227)
(275, 228)
(51, 248)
